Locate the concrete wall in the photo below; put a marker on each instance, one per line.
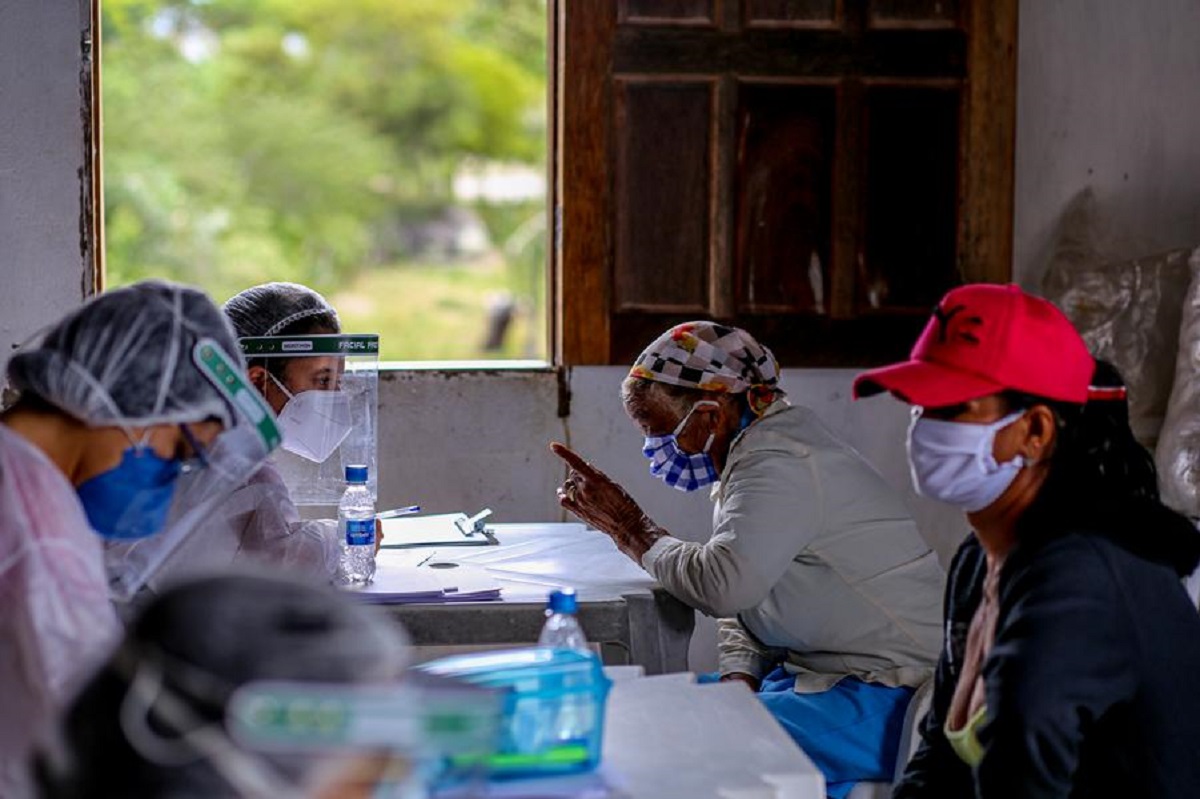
(44, 268)
(1108, 97)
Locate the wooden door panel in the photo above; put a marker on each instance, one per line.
(783, 197)
(919, 13)
(789, 52)
(665, 12)
(796, 339)
(663, 194)
(818, 171)
(790, 13)
(911, 189)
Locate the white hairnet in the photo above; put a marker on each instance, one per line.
(125, 358)
(272, 308)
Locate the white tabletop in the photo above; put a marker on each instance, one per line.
(532, 559)
(668, 738)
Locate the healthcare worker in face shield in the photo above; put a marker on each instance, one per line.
(121, 408)
(260, 524)
(157, 720)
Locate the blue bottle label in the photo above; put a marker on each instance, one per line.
(360, 532)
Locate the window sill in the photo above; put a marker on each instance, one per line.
(506, 366)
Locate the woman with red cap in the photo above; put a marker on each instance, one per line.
(1069, 669)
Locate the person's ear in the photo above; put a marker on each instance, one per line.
(258, 377)
(710, 412)
(1041, 433)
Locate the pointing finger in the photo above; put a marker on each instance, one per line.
(573, 459)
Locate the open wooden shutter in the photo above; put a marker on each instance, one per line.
(816, 171)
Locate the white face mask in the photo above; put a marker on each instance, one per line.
(952, 462)
(314, 423)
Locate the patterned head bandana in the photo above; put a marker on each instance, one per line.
(712, 357)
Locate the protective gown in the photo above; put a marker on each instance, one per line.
(57, 623)
(257, 527)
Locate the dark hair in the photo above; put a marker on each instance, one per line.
(1096, 453)
(1102, 477)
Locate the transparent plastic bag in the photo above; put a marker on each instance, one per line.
(1127, 311)
(1178, 453)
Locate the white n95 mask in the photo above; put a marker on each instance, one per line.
(314, 423)
(952, 462)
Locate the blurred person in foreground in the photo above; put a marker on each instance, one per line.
(827, 596)
(126, 417)
(1072, 649)
(154, 722)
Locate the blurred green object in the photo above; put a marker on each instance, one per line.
(553, 709)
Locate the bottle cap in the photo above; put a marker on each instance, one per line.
(562, 601)
(356, 475)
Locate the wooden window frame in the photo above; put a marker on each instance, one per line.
(583, 241)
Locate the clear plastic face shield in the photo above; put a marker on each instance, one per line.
(419, 730)
(330, 417)
(215, 472)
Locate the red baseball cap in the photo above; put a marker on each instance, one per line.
(984, 339)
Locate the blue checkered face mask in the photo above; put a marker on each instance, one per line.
(684, 471)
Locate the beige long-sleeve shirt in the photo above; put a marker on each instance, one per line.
(813, 560)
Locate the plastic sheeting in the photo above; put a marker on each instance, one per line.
(1128, 313)
(1178, 452)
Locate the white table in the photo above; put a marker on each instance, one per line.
(620, 605)
(668, 738)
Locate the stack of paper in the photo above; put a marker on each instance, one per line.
(397, 584)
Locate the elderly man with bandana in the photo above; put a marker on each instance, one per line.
(827, 598)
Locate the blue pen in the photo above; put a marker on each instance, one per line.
(396, 512)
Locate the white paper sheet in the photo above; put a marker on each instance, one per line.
(398, 580)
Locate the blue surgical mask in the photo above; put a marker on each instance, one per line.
(952, 462)
(131, 500)
(681, 470)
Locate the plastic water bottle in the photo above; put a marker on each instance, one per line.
(562, 630)
(356, 526)
(572, 720)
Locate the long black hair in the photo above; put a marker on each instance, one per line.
(1102, 479)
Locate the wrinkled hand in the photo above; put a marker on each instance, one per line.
(593, 496)
(752, 683)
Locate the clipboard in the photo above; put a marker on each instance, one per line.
(441, 530)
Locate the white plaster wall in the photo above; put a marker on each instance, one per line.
(1108, 96)
(42, 263)
(461, 441)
